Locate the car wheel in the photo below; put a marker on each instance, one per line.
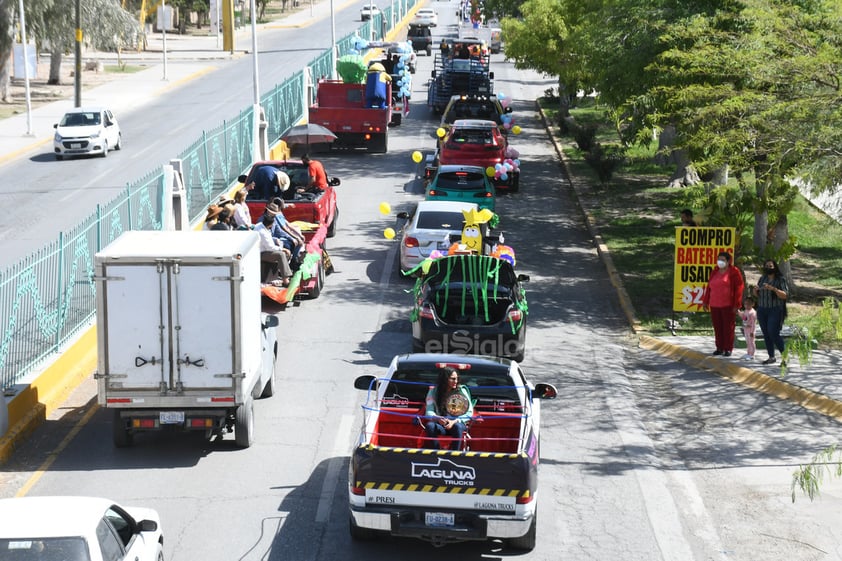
(429, 51)
(104, 148)
(160, 555)
(331, 230)
(122, 437)
(119, 145)
(527, 541)
(244, 424)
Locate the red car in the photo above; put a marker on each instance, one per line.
(475, 142)
(318, 207)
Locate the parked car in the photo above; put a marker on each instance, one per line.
(368, 12)
(462, 183)
(87, 130)
(470, 304)
(421, 38)
(427, 16)
(432, 225)
(78, 529)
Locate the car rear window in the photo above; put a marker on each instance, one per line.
(37, 549)
(440, 220)
(464, 180)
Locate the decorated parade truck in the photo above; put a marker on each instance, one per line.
(345, 110)
(481, 486)
(182, 340)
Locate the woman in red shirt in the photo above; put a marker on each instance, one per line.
(723, 296)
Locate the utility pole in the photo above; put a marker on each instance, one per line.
(26, 71)
(78, 73)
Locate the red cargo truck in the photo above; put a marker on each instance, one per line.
(342, 109)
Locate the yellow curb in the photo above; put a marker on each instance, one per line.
(31, 407)
(770, 385)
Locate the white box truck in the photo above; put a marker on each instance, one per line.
(182, 340)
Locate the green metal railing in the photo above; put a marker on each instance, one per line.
(49, 297)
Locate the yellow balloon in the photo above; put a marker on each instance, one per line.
(417, 157)
(385, 208)
(516, 129)
(490, 171)
(440, 132)
(389, 233)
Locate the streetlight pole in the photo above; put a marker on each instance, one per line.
(26, 72)
(78, 73)
(333, 42)
(164, 23)
(254, 52)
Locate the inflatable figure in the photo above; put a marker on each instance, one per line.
(375, 86)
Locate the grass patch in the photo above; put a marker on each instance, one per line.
(124, 68)
(636, 214)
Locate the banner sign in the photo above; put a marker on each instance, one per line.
(696, 249)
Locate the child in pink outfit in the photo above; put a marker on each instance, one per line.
(749, 318)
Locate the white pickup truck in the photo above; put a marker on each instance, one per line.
(182, 340)
(485, 489)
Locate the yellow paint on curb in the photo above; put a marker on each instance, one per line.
(48, 391)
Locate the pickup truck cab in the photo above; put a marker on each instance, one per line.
(485, 490)
(421, 37)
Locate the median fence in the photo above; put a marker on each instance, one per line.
(48, 298)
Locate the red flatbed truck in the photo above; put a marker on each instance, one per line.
(341, 108)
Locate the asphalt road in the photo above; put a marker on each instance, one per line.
(642, 458)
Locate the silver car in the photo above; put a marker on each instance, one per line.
(433, 225)
(87, 130)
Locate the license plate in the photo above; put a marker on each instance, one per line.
(172, 417)
(438, 518)
(76, 146)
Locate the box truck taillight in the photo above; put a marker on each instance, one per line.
(200, 423)
(229, 399)
(118, 400)
(144, 423)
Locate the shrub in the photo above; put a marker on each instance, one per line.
(584, 136)
(604, 161)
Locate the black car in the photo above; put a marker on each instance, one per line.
(470, 304)
(421, 38)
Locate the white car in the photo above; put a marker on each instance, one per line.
(78, 528)
(87, 130)
(368, 12)
(433, 225)
(426, 16)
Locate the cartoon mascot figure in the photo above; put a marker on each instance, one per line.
(471, 241)
(376, 90)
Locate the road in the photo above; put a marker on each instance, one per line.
(642, 459)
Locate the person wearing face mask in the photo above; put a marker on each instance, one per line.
(772, 293)
(723, 296)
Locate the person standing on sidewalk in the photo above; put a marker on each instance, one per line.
(772, 293)
(749, 318)
(723, 297)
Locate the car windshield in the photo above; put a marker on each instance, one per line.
(440, 220)
(461, 180)
(44, 549)
(80, 119)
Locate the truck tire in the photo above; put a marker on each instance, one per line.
(360, 534)
(331, 230)
(244, 424)
(515, 183)
(269, 388)
(397, 118)
(527, 541)
(384, 142)
(122, 437)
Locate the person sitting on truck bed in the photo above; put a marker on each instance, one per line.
(291, 237)
(273, 253)
(318, 177)
(267, 182)
(449, 407)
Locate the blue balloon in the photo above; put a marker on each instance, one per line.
(504, 176)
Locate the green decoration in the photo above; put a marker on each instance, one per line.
(352, 69)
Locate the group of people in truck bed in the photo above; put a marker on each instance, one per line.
(281, 242)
